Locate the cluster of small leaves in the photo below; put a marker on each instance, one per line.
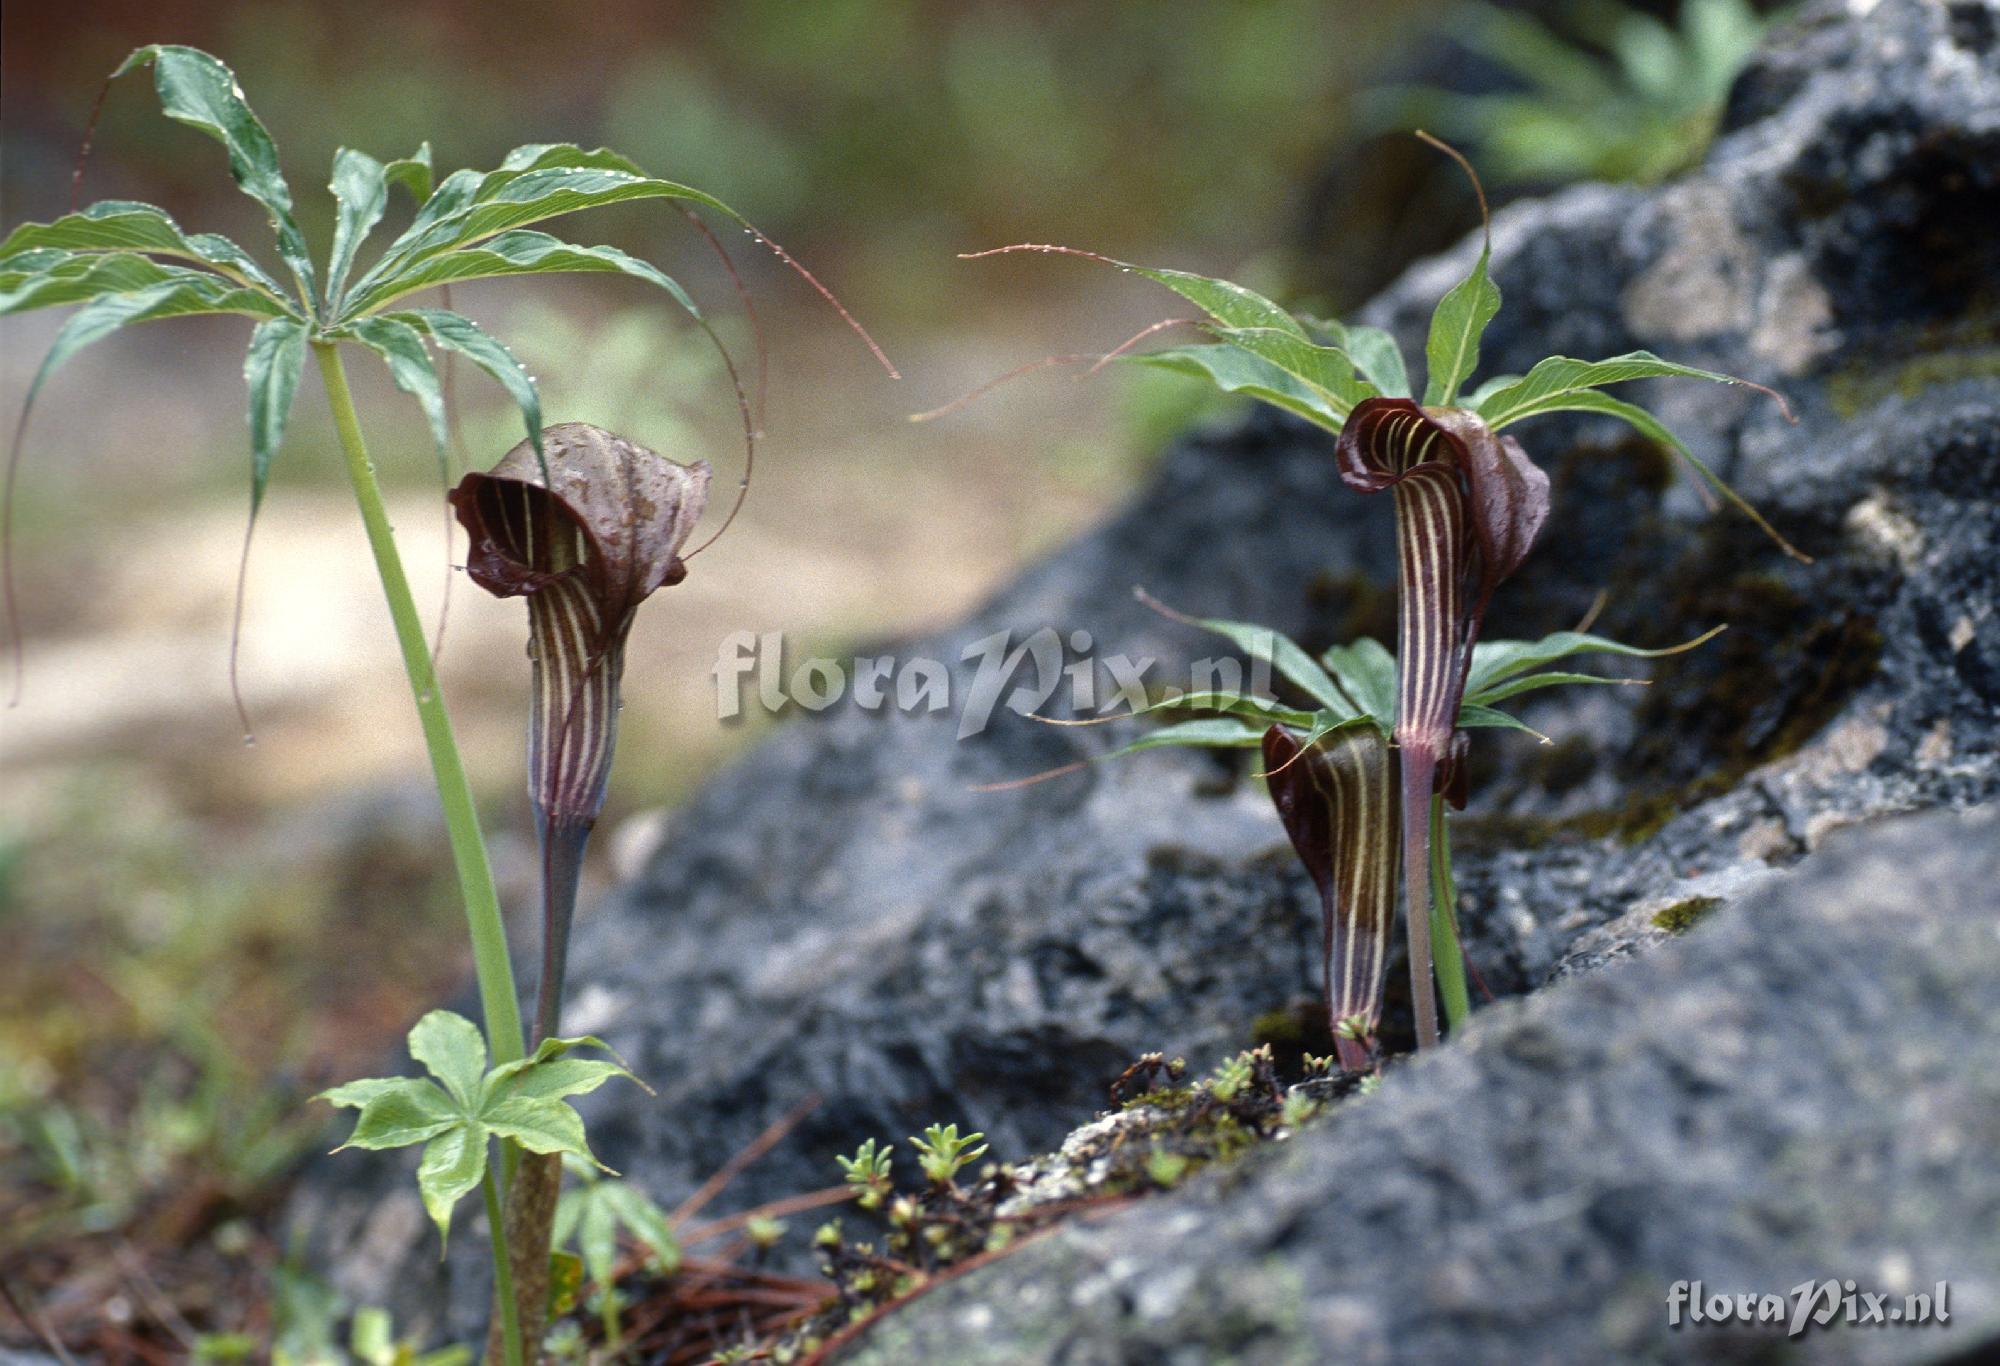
(594, 1210)
(128, 262)
(1648, 111)
(457, 1113)
(867, 1173)
(942, 1154)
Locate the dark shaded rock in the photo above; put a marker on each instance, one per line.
(1806, 1088)
(840, 913)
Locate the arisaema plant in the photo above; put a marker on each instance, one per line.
(1332, 766)
(1469, 502)
(124, 262)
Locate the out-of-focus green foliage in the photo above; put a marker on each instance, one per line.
(1639, 104)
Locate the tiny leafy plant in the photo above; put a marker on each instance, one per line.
(942, 1154)
(591, 1213)
(867, 1173)
(464, 1105)
(121, 262)
(1469, 504)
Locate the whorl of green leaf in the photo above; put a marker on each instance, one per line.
(464, 1106)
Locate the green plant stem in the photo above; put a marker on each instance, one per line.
(503, 1275)
(1446, 952)
(495, 970)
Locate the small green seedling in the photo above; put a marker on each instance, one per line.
(465, 1105)
(867, 1173)
(942, 1154)
(591, 1213)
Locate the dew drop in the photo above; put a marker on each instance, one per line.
(249, 742)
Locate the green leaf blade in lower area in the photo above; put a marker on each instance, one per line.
(554, 1080)
(1367, 671)
(271, 368)
(1452, 352)
(453, 1164)
(645, 1220)
(1218, 733)
(1447, 951)
(451, 1049)
(1270, 647)
(1373, 351)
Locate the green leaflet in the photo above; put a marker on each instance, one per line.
(401, 347)
(271, 369)
(1217, 734)
(521, 252)
(1452, 352)
(469, 207)
(456, 332)
(1279, 651)
(1495, 661)
(1326, 371)
(1367, 671)
(1374, 353)
(464, 1107)
(198, 90)
(1590, 401)
(122, 225)
(1235, 371)
(1553, 381)
(69, 279)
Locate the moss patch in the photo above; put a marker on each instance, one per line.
(1682, 916)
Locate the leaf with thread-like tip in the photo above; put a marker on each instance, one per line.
(1216, 734)
(1280, 651)
(1495, 661)
(271, 368)
(557, 180)
(123, 225)
(1528, 683)
(1557, 379)
(197, 89)
(1472, 716)
(521, 252)
(1591, 401)
(1452, 352)
(453, 1163)
(456, 332)
(1235, 371)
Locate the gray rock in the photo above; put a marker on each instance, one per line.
(840, 914)
(1807, 1088)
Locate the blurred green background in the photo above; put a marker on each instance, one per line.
(202, 933)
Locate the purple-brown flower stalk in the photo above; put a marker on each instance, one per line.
(586, 530)
(1468, 506)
